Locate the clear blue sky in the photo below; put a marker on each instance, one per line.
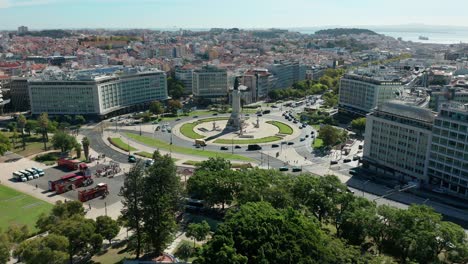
(39, 14)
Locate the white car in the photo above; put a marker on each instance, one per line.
(33, 173)
(39, 171)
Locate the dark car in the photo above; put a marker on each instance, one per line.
(195, 116)
(266, 112)
(356, 158)
(295, 121)
(296, 169)
(237, 147)
(333, 162)
(215, 114)
(132, 159)
(307, 136)
(346, 160)
(178, 119)
(254, 147)
(360, 147)
(290, 143)
(224, 148)
(259, 114)
(274, 145)
(283, 169)
(284, 143)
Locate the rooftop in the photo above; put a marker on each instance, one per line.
(407, 110)
(56, 74)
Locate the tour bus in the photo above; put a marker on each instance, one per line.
(18, 176)
(27, 175)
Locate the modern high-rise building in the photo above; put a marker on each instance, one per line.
(97, 92)
(287, 73)
(22, 30)
(448, 158)
(360, 94)
(397, 140)
(185, 75)
(210, 83)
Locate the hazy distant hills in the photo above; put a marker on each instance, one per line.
(345, 31)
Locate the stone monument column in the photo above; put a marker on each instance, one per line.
(235, 119)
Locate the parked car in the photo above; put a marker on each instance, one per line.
(275, 146)
(302, 139)
(360, 146)
(333, 162)
(33, 173)
(283, 169)
(290, 143)
(39, 171)
(346, 160)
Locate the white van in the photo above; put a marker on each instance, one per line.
(33, 173)
(18, 176)
(27, 175)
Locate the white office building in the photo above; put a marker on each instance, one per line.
(210, 83)
(360, 94)
(185, 75)
(98, 92)
(397, 140)
(448, 158)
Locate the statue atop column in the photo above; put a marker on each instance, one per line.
(235, 119)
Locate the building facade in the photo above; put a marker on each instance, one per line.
(19, 94)
(360, 94)
(97, 92)
(397, 140)
(210, 83)
(448, 158)
(287, 73)
(185, 75)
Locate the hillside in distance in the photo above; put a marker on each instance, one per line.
(345, 31)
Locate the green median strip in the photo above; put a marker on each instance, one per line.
(247, 141)
(233, 165)
(117, 142)
(283, 128)
(156, 143)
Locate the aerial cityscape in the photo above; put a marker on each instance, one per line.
(157, 131)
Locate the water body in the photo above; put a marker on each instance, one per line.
(438, 35)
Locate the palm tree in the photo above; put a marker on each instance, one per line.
(21, 125)
(44, 124)
(85, 143)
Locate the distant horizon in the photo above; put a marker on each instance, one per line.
(123, 14)
(432, 28)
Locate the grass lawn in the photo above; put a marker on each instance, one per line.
(316, 127)
(20, 208)
(156, 143)
(112, 255)
(248, 141)
(121, 145)
(318, 143)
(34, 144)
(48, 158)
(188, 128)
(283, 128)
